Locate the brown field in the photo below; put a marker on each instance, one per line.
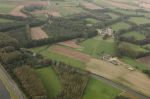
(37, 33)
(70, 43)
(71, 53)
(121, 74)
(145, 60)
(91, 6)
(120, 5)
(17, 11)
(130, 96)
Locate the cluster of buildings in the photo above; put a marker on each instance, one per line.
(106, 31)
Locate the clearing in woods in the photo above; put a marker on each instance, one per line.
(37, 33)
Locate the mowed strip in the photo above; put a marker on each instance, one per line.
(71, 53)
(70, 43)
(133, 79)
(37, 33)
(17, 11)
(91, 6)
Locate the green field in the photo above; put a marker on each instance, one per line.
(94, 46)
(6, 8)
(135, 48)
(139, 20)
(120, 26)
(134, 63)
(5, 20)
(50, 81)
(99, 90)
(137, 35)
(67, 7)
(112, 15)
(147, 46)
(55, 56)
(91, 20)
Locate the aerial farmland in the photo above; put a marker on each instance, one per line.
(74, 49)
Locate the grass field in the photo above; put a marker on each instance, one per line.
(50, 81)
(67, 7)
(113, 16)
(94, 46)
(6, 8)
(99, 90)
(54, 56)
(137, 35)
(5, 20)
(91, 20)
(134, 63)
(139, 20)
(120, 26)
(135, 48)
(147, 46)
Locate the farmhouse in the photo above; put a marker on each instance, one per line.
(144, 3)
(106, 31)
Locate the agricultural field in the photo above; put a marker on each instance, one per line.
(119, 26)
(47, 52)
(97, 88)
(96, 46)
(50, 80)
(6, 8)
(139, 20)
(91, 20)
(147, 46)
(145, 60)
(113, 16)
(137, 35)
(5, 20)
(135, 63)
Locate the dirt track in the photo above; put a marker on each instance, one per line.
(37, 33)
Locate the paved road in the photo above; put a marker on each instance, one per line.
(4, 94)
(116, 85)
(11, 85)
(121, 87)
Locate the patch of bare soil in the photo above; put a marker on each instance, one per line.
(133, 79)
(145, 60)
(70, 43)
(37, 33)
(91, 6)
(17, 11)
(71, 53)
(120, 5)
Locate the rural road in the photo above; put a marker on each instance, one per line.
(120, 86)
(4, 94)
(11, 85)
(116, 85)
